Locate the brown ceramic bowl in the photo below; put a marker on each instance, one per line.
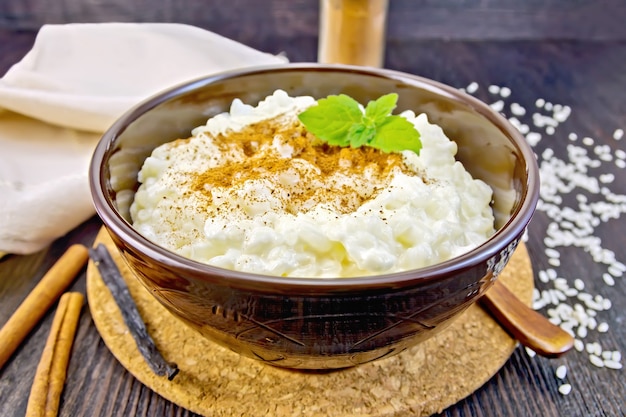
(316, 323)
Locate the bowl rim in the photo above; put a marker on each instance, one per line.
(511, 231)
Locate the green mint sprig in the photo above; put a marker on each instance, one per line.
(339, 121)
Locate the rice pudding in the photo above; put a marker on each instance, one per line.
(253, 191)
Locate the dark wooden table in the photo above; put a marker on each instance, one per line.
(589, 77)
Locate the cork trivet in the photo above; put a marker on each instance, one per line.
(214, 381)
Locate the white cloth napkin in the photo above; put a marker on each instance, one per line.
(67, 90)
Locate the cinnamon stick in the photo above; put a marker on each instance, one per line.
(40, 299)
(49, 380)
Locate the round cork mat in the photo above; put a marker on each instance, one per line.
(213, 381)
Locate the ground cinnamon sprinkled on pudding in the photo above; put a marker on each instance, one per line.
(313, 183)
(253, 191)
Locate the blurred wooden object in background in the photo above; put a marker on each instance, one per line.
(352, 32)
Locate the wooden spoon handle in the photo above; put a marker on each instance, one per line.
(526, 325)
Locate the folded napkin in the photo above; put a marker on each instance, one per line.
(67, 90)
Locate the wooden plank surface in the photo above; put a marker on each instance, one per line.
(249, 20)
(587, 76)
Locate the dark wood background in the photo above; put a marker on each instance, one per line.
(565, 51)
(261, 23)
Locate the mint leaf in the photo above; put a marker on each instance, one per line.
(377, 110)
(340, 121)
(360, 135)
(332, 118)
(396, 134)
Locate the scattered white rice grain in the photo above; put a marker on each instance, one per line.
(596, 361)
(568, 326)
(569, 330)
(606, 157)
(597, 349)
(594, 305)
(583, 320)
(603, 327)
(553, 253)
(554, 299)
(547, 153)
(551, 243)
(581, 198)
(619, 265)
(541, 120)
(592, 323)
(606, 178)
(608, 279)
(523, 128)
(603, 149)
(517, 109)
(560, 295)
(616, 272)
(472, 87)
(594, 163)
(579, 345)
(565, 309)
(516, 123)
(572, 226)
(565, 389)
(497, 105)
(530, 352)
(588, 141)
(554, 262)
(536, 294)
(555, 320)
(533, 138)
(560, 283)
(561, 372)
(561, 113)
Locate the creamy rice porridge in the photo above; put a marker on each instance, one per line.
(253, 191)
